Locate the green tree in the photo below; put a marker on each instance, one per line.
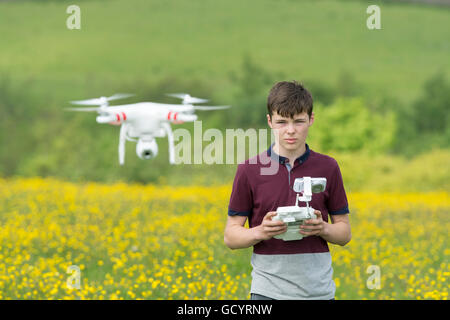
(253, 86)
(425, 124)
(430, 111)
(348, 125)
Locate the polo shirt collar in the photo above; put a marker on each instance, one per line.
(283, 160)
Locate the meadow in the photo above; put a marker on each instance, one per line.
(149, 230)
(163, 242)
(230, 52)
(127, 45)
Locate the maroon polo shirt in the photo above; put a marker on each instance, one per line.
(254, 194)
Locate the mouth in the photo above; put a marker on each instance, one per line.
(291, 141)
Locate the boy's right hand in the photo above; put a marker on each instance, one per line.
(269, 228)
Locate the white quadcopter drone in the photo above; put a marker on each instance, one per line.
(143, 122)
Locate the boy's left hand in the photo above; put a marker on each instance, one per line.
(313, 227)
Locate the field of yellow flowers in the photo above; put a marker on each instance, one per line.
(162, 242)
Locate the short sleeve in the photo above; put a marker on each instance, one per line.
(241, 199)
(337, 201)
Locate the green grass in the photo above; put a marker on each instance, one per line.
(122, 41)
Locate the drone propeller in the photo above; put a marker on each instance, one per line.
(102, 100)
(187, 99)
(86, 109)
(205, 108)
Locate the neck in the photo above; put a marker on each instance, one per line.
(290, 154)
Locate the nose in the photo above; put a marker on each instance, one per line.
(291, 128)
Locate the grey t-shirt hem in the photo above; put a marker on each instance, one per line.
(277, 296)
(307, 276)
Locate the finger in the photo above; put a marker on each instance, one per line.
(274, 233)
(318, 214)
(269, 215)
(310, 227)
(271, 223)
(275, 229)
(309, 233)
(313, 221)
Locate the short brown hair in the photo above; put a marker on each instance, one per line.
(288, 99)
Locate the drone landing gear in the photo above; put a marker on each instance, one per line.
(122, 139)
(169, 132)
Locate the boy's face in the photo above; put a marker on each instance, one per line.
(291, 132)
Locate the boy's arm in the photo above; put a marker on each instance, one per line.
(237, 236)
(339, 232)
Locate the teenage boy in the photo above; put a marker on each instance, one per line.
(298, 269)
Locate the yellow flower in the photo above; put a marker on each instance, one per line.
(163, 242)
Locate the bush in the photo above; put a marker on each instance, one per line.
(348, 125)
(386, 173)
(430, 111)
(19, 108)
(426, 123)
(250, 100)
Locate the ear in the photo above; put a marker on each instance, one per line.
(311, 120)
(269, 121)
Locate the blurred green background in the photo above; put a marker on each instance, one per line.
(381, 97)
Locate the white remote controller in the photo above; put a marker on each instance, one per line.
(295, 216)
